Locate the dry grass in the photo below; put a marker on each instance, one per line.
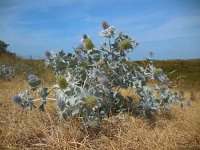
(179, 129)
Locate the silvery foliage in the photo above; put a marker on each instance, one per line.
(6, 72)
(94, 78)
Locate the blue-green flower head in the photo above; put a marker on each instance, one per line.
(17, 99)
(31, 77)
(85, 36)
(105, 25)
(61, 104)
(47, 54)
(102, 79)
(43, 92)
(97, 72)
(34, 81)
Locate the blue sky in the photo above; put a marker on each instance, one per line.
(169, 28)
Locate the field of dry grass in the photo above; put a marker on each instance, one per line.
(178, 129)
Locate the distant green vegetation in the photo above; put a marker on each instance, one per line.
(24, 67)
(188, 68)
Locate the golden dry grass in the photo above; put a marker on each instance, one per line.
(179, 129)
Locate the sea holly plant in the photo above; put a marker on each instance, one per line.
(6, 72)
(88, 81)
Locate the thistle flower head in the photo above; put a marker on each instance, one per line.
(43, 92)
(108, 33)
(100, 63)
(85, 36)
(34, 81)
(62, 82)
(189, 102)
(88, 44)
(105, 25)
(94, 73)
(61, 104)
(31, 77)
(112, 32)
(102, 80)
(136, 83)
(125, 44)
(151, 54)
(90, 101)
(120, 34)
(157, 71)
(97, 72)
(17, 99)
(47, 53)
(93, 123)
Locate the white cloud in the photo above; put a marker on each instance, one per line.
(145, 27)
(177, 27)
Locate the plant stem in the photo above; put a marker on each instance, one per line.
(109, 44)
(38, 99)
